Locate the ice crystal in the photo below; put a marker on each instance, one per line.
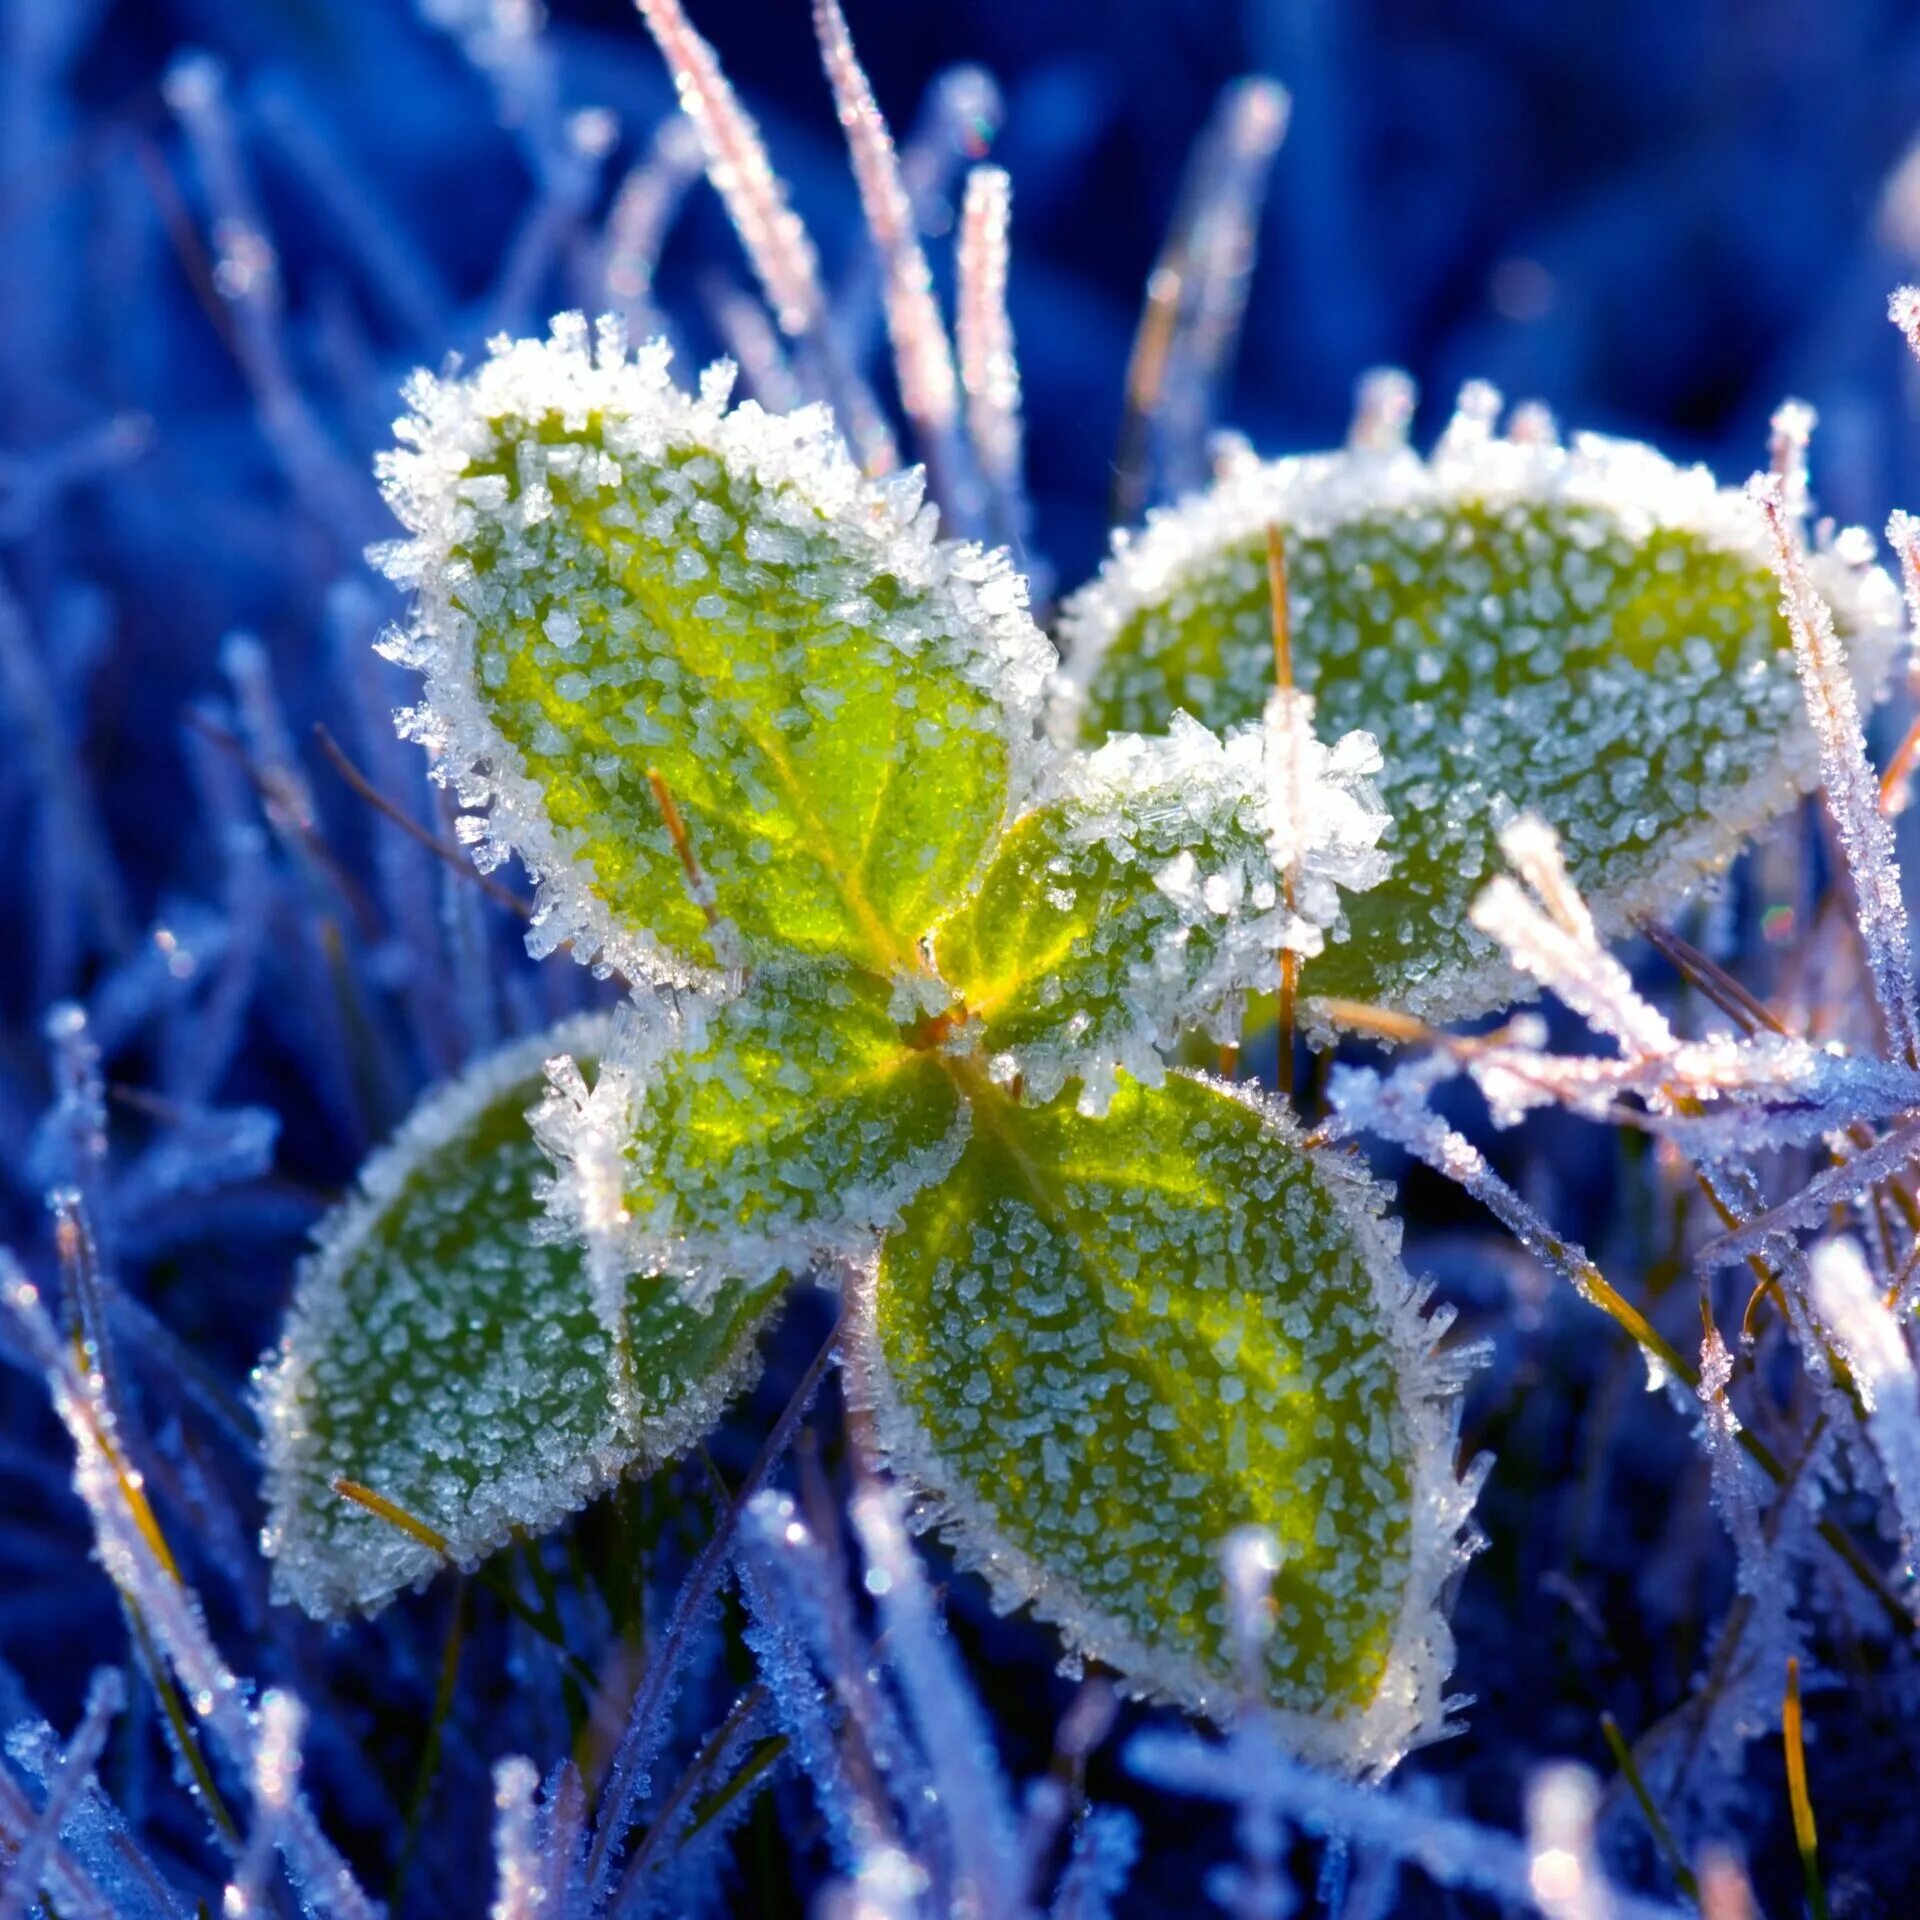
(442, 1356)
(1324, 820)
(1149, 888)
(1551, 936)
(1854, 1174)
(1585, 632)
(1135, 898)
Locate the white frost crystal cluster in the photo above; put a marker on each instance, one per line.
(1324, 817)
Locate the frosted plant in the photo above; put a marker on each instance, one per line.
(1724, 1102)
(905, 979)
(1587, 632)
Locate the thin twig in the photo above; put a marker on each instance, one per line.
(1283, 679)
(1804, 1837)
(336, 757)
(682, 845)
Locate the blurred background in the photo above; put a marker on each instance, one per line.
(229, 227)
(1659, 216)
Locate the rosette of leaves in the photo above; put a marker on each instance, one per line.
(1585, 632)
(904, 980)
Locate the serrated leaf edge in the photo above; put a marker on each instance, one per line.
(311, 1581)
(1410, 1708)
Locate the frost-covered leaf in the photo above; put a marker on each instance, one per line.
(1102, 1345)
(1588, 633)
(747, 1137)
(613, 579)
(442, 1355)
(1137, 897)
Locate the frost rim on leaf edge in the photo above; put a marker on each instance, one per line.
(1639, 486)
(1410, 1707)
(575, 372)
(314, 1581)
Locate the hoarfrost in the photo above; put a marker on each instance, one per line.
(1852, 1314)
(1324, 818)
(1077, 1311)
(1846, 778)
(739, 1140)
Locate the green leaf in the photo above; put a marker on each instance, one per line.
(1137, 899)
(1589, 634)
(759, 1134)
(1104, 1344)
(613, 579)
(443, 1355)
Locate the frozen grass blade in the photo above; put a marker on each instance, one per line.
(922, 357)
(1838, 1186)
(26, 1872)
(1252, 1772)
(1852, 792)
(1551, 937)
(83, 898)
(138, 1561)
(946, 1716)
(777, 245)
(629, 1774)
(1196, 296)
(1856, 1319)
(1804, 1836)
(276, 1774)
(643, 210)
(246, 275)
(989, 370)
(521, 1874)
